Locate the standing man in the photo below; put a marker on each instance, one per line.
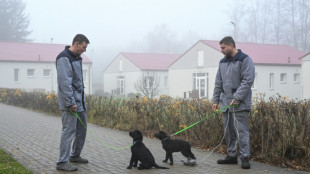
(71, 97)
(234, 79)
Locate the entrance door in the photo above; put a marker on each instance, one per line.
(201, 84)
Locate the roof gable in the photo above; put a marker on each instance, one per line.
(265, 53)
(151, 61)
(32, 52)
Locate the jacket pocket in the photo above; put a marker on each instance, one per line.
(77, 96)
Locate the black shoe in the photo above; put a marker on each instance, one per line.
(78, 160)
(228, 160)
(66, 167)
(245, 164)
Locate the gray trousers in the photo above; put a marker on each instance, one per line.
(72, 130)
(236, 131)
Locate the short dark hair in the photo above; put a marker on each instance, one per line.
(228, 40)
(80, 38)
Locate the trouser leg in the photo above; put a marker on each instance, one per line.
(234, 122)
(67, 134)
(244, 134)
(230, 134)
(79, 140)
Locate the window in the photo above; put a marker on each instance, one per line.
(121, 85)
(46, 72)
(283, 77)
(255, 81)
(148, 82)
(271, 81)
(85, 75)
(200, 57)
(296, 77)
(30, 72)
(16, 75)
(166, 81)
(121, 65)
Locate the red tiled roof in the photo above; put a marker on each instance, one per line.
(150, 61)
(32, 52)
(265, 53)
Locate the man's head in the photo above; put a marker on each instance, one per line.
(228, 47)
(79, 44)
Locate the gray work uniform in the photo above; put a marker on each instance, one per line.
(71, 92)
(234, 79)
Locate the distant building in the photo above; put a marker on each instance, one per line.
(305, 68)
(277, 70)
(31, 66)
(121, 75)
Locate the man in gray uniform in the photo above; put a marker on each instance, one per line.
(234, 79)
(71, 97)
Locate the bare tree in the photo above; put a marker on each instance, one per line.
(148, 84)
(274, 21)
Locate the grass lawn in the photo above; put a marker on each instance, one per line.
(10, 166)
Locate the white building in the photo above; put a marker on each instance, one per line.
(31, 66)
(305, 69)
(126, 69)
(277, 70)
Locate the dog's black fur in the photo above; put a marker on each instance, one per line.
(139, 152)
(171, 146)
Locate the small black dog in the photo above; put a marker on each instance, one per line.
(139, 152)
(171, 146)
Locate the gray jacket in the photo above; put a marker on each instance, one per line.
(70, 81)
(234, 80)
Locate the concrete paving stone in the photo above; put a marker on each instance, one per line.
(33, 140)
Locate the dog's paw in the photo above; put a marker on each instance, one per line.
(129, 167)
(171, 164)
(165, 161)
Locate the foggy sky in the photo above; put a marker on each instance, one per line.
(114, 26)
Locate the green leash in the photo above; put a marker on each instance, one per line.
(199, 121)
(126, 147)
(107, 145)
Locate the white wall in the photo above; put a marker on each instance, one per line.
(38, 81)
(305, 77)
(181, 74)
(131, 74)
(289, 89)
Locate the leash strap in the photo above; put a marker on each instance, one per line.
(199, 121)
(107, 145)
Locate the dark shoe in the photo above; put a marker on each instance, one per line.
(228, 160)
(66, 167)
(78, 160)
(245, 164)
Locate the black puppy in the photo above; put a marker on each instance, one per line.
(139, 152)
(171, 146)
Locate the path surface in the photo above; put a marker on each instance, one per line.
(33, 140)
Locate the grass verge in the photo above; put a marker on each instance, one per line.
(8, 165)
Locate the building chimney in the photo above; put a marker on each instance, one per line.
(288, 60)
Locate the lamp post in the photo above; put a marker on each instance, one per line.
(233, 23)
(52, 70)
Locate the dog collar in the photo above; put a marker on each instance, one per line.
(166, 138)
(136, 142)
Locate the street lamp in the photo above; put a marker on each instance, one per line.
(233, 23)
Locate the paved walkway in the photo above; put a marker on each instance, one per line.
(33, 140)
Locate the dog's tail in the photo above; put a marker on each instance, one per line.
(159, 167)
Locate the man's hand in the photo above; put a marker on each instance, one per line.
(73, 108)
(235, 102)
(215, 106)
